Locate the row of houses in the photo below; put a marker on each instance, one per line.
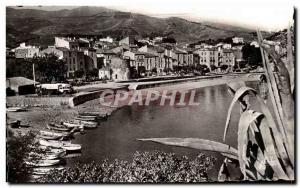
(114, 60)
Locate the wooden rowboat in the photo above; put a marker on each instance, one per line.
(43, 163)
(47, 137)
(15, 109)
(50, 133)
(72, 124)
(72, 147)
(45, 170)
(82, 118)
(56, 128)
(87, 124)
(61, 144)
(54, 144)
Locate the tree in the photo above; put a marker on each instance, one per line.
(18, 149)
(92, 73)
(141, 69)
(224, 67)
(49, 67)
(79, 73)
(252, 55)
(213, 67)
(168, 40)
(154, 70)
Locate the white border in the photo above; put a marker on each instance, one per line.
(169, 3)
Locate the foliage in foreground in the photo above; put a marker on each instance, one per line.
(147, 167)
(265, 147)
(18, 148)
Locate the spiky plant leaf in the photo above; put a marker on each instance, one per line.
(238, 95)
(246, 119)
(278, 141)
(197, 143)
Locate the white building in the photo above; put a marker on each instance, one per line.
(69, 43)
(24, 51)
(107, 39)
(237, 40)
(104, 73)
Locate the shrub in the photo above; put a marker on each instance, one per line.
(147, 167)
(18, 148)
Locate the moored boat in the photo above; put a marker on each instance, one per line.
(54, 144)
(50, 133)
(56, 128)
(47, 137)
(15, 109)
(43, 163)
(86, 118)
(87, 124)
(45, 170)
(72, 147)
(67, 145)
(72, 124)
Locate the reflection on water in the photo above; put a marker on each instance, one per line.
(116, 138)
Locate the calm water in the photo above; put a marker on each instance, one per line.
(116, 138)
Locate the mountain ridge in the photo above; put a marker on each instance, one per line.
(40, 24)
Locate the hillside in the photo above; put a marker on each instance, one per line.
(34, 26)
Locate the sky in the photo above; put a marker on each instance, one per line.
(270, 15)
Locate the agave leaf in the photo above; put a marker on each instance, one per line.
(281, 148)
(224, 174)
(271, 154)
(290, 58)
(246, 119)
(273, 90)
(271, 124)
(258, 155)
(196, 143)
(238, 95)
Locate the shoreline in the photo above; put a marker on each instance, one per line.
(36, 116)
(39, 117)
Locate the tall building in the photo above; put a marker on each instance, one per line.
(69, 43)
(24, 51)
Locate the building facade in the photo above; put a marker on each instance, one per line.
(24, 51)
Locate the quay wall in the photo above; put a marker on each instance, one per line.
(21, 101)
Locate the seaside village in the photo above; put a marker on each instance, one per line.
(123, 60)
(57, 118)
(32, 105)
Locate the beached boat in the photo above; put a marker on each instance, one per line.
(57, 128)
(50, 133)
(101, 117)
(90, 126)
(87, 124)
(73, 155)
(86, 118)
(72, 124)
(53, 143)
(45, 170)
(43, 163)
(43, 156)
(15, 109)
(47, 137)
(72, 147)
(55, 151)
(67, 145)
